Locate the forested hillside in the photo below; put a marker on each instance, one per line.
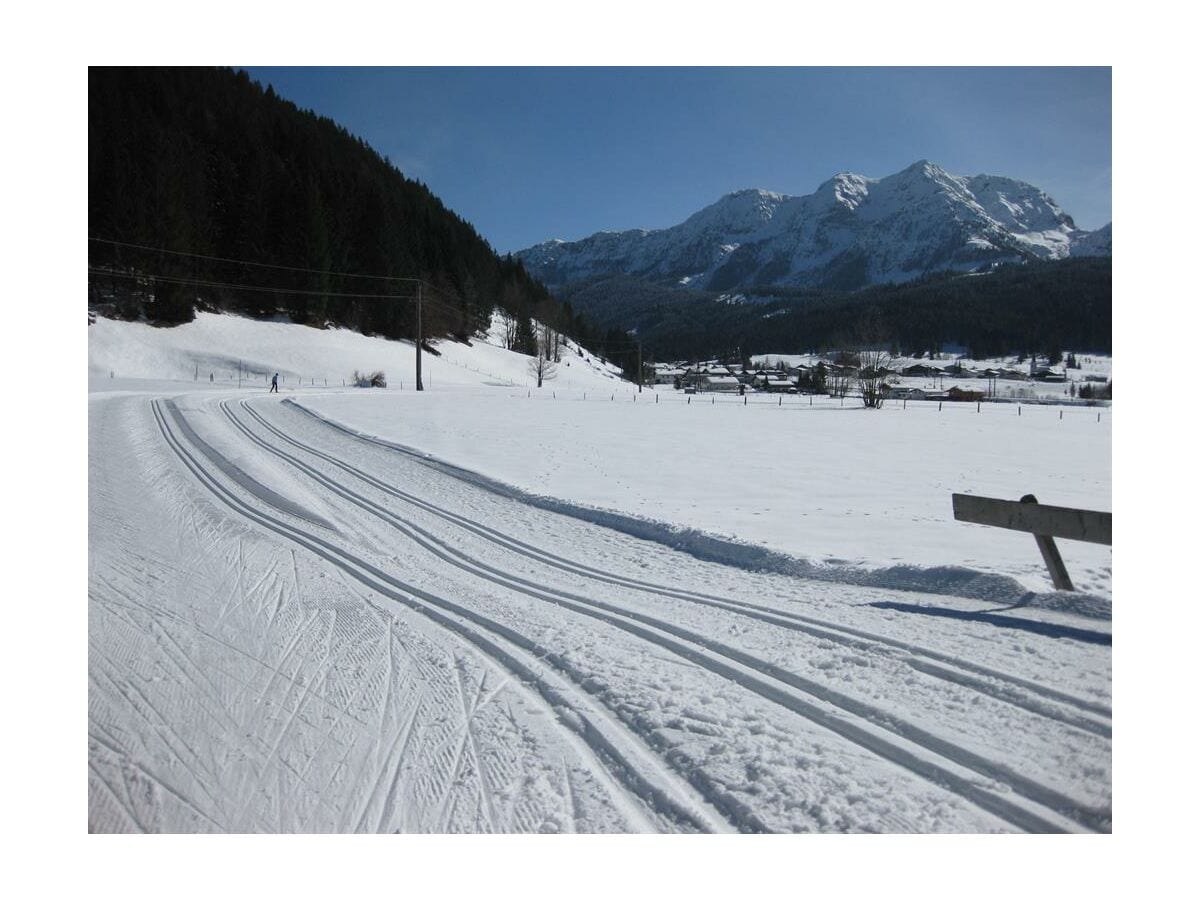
(1035, 307)
(217, 170)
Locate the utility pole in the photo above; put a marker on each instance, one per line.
(639, 343)
(420, 386)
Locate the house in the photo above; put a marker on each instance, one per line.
(920, 371)
(900, 392)
(1045, 373)
(773, 383)
(958, 394)
(724, 384)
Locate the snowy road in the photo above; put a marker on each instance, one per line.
(295, 628)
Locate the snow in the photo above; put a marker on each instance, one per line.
(903, 225)
(836, 486)
(485, 607)
(223, 346)
(1093, 243)
(1093, 368)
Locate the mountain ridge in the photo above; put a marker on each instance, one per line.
(851, 232)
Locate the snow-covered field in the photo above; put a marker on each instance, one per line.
(486, 607)
(1093, 368)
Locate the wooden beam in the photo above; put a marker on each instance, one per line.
(1036, 518)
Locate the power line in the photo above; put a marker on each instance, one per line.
(175, 279)
(247, 262)
(233, 286)
(283, 268)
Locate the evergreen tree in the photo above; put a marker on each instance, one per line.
(209, 163)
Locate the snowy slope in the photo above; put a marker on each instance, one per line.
(304, 617)
(1094, 243)
(852, 231)
(226, 346)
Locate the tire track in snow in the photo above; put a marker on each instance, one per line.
(600, 736)
(912, 750)
(1095, 717)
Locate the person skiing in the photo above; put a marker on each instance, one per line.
(274, 384)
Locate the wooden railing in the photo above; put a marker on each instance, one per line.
(1044, 522)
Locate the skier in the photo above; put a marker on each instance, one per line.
(274, 384)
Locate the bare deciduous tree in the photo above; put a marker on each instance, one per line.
(543, 367)
(874, 371)
(837, 381)
(510, 329)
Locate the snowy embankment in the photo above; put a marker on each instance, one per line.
(824, 490)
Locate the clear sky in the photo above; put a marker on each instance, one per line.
(530, 154)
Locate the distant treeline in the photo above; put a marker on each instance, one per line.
(1040, 307)
(213, 167)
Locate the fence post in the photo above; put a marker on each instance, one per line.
(977, 405)
(1018, 409)
(939, 406)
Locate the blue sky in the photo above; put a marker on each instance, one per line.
(531, 154)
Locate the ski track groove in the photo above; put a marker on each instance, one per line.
(964, 786)
(843, 634)
(690, 812)
(154, 612)
(469, 714)
(121, 807)
(163, 731)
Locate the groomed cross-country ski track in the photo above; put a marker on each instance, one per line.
(294, 626)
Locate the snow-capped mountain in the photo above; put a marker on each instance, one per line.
(851, 232)
(1094, 243)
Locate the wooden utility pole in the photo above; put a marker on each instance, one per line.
(639, 343)
(420, 337)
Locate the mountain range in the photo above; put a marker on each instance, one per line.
(850, 233)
